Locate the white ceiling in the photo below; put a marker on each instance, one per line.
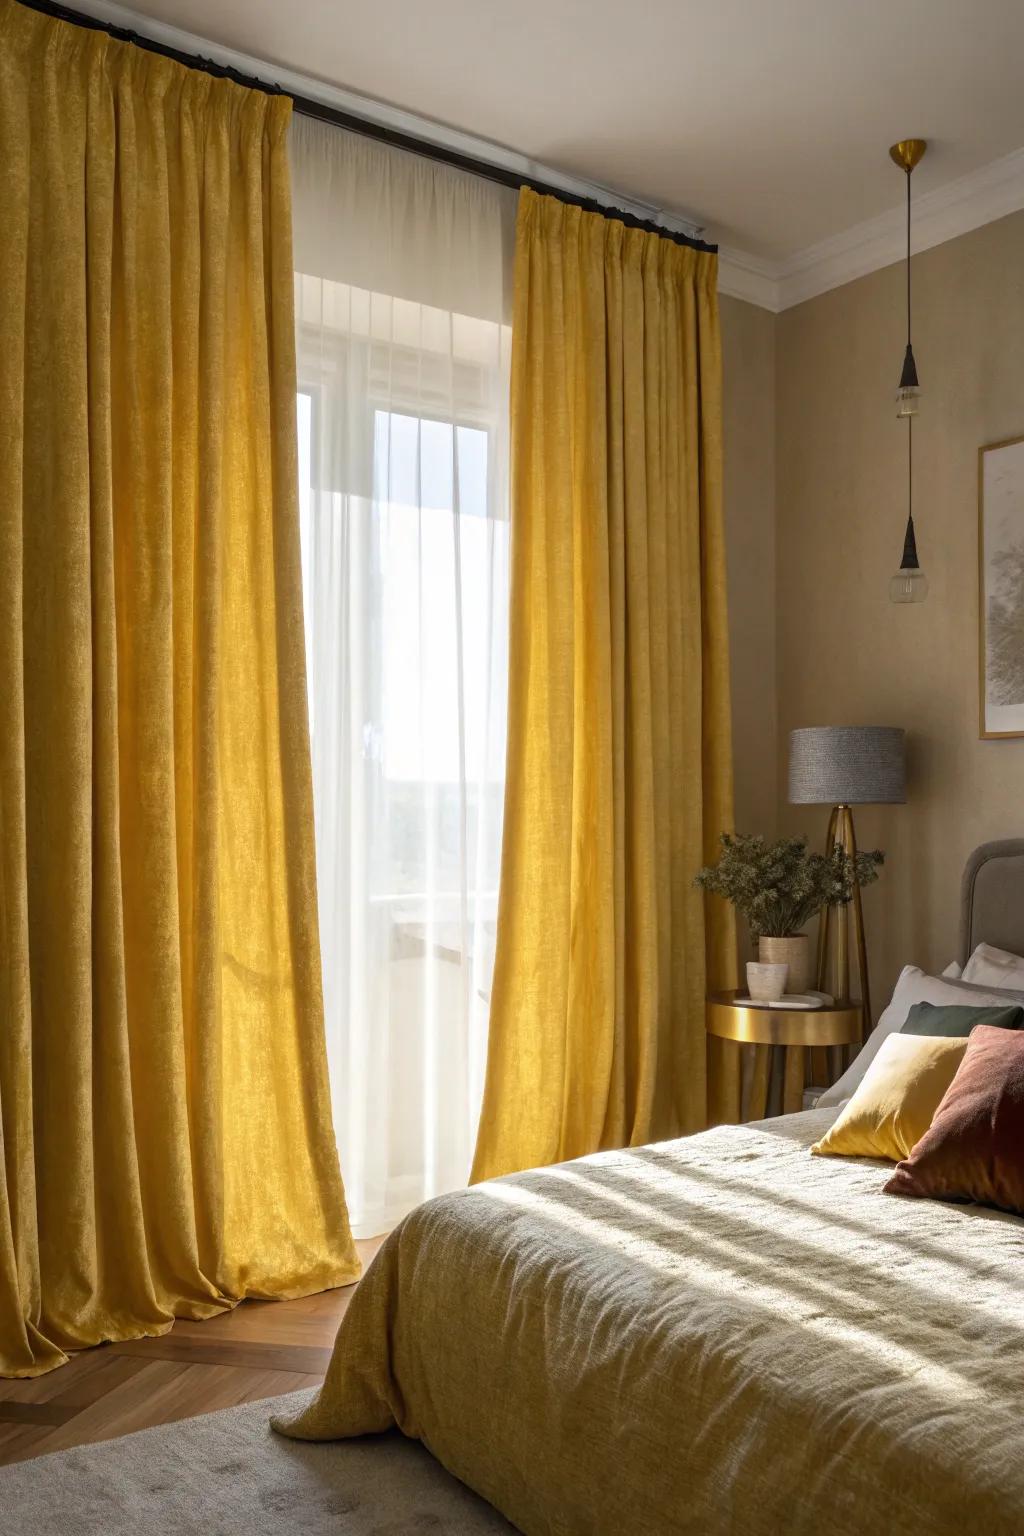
(768, 121)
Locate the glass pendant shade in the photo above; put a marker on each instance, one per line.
(908, 395)
(908, 586)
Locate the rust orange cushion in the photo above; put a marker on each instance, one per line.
(974, 1147)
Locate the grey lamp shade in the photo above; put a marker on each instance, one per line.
(847, 765)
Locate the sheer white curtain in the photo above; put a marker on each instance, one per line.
(403, 288)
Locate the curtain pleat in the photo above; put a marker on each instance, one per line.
(619, 774)
(166, 1127)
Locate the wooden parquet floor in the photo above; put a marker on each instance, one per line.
(260, 1349)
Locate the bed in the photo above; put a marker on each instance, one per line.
(714, 1335)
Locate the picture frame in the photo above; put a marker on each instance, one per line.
(1001, 590)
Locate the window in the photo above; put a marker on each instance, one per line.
(402, 288)
(405, 571)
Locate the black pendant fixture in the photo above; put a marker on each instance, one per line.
(910, 584)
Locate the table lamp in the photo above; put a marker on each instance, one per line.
(843, 766)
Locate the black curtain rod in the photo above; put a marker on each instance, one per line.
(369, 130)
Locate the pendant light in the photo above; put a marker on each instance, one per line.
(910, 584)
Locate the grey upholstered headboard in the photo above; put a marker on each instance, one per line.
(992, 898)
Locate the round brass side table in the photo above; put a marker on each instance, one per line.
(790, 1032)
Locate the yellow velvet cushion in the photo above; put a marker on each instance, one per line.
(896, 1099)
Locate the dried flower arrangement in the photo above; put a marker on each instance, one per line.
(780, 886)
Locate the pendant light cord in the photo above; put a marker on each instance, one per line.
(908, 258)
(910, 419)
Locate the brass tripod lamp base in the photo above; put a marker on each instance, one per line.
(843, 926)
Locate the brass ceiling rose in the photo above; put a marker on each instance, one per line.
(908, 152)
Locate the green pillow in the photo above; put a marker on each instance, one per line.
(958, 1019)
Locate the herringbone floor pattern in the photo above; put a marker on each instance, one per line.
(259, 1350)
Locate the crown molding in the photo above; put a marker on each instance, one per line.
(981, 197)
(755, 279)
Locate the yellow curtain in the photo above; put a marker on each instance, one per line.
(167, 1143)
(619, 759)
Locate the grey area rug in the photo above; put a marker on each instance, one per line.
(228, 1474)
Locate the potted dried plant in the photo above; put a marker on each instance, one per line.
(778, 887)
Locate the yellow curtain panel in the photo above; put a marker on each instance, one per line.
(167, 1143)
(619, 759)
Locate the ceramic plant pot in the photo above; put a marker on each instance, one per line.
(795, 951)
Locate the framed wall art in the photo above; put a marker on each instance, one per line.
(1001, 588)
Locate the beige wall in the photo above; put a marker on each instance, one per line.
(844, 653)
(748, 411)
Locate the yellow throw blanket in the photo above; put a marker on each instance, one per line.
(721, 1336)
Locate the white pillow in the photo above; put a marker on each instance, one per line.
(991, 967)
(914, 986)
(953, 972)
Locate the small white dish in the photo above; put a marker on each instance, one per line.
(795, 1000)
